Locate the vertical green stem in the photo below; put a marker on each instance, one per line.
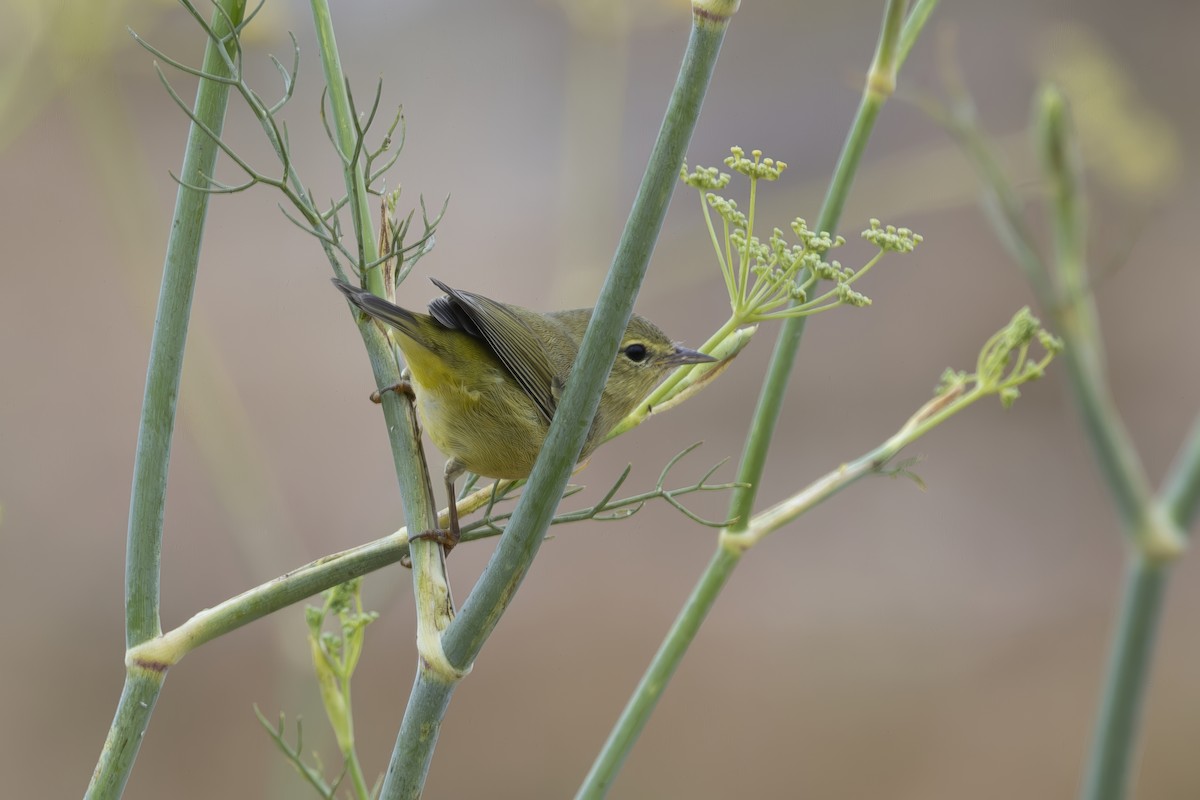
(670, 653)
(153, 455)
(414, 747)
(141, 692)
(1110, 764)
(149, 495)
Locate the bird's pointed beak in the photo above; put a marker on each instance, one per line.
(684, 355)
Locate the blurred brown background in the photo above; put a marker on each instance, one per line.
(898, 643)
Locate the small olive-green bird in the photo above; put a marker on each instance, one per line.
(487, 376)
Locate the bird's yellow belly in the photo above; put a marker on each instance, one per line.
(489, 425)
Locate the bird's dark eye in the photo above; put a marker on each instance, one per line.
(636, 353)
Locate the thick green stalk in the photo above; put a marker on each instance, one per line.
(1155, 527)
(142, 687)
(152, 459)
(149, 494)
(1109, 772)
(510, 561)
(1116, 456)
(413, 753)
(532, 516)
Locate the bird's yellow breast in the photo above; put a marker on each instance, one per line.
(475, 412)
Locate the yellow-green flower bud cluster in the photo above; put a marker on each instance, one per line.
(756, 167)
(889, 238)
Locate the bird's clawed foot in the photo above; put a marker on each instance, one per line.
(403, 387)
(446, 537)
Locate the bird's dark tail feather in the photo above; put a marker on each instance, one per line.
(390, 313)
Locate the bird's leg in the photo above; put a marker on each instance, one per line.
(451, 474)
(450, 536)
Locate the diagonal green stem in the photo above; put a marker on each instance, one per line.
(733, 546)
(510, 562)
(895, 41)
(1076, 315)
(151, 462)
(581, 396)
(880, 83)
